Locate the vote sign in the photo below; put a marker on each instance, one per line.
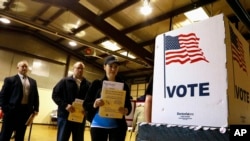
(201, 75)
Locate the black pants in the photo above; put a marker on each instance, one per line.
(15, 120)
(102, 134)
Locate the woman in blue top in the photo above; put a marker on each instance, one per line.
(103, 128)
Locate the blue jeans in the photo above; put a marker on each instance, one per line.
(65, 128)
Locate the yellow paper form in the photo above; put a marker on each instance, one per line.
(113, 96)
(77, 115)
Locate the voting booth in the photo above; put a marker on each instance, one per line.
(201, 76)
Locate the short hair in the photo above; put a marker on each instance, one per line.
(79, 62)
(22, 62)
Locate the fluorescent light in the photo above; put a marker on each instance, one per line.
(4, 20)
(197, 14)
(110, 45)
(125, 53)
(72, 43)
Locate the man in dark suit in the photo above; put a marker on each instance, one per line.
(18, 99)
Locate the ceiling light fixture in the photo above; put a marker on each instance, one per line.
(125, 53)
(110, 45)
(5, 20)
(72, 43)
(146, 9)
(196, 15)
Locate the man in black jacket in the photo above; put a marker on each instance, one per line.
(18, 99)
(66, 91)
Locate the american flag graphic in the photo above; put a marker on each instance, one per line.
(238, 52)
(182, 49)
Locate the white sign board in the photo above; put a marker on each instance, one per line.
(191, 75)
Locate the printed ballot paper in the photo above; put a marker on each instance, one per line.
(77, 115)
(113, 96)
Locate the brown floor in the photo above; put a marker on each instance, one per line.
(48, 133)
